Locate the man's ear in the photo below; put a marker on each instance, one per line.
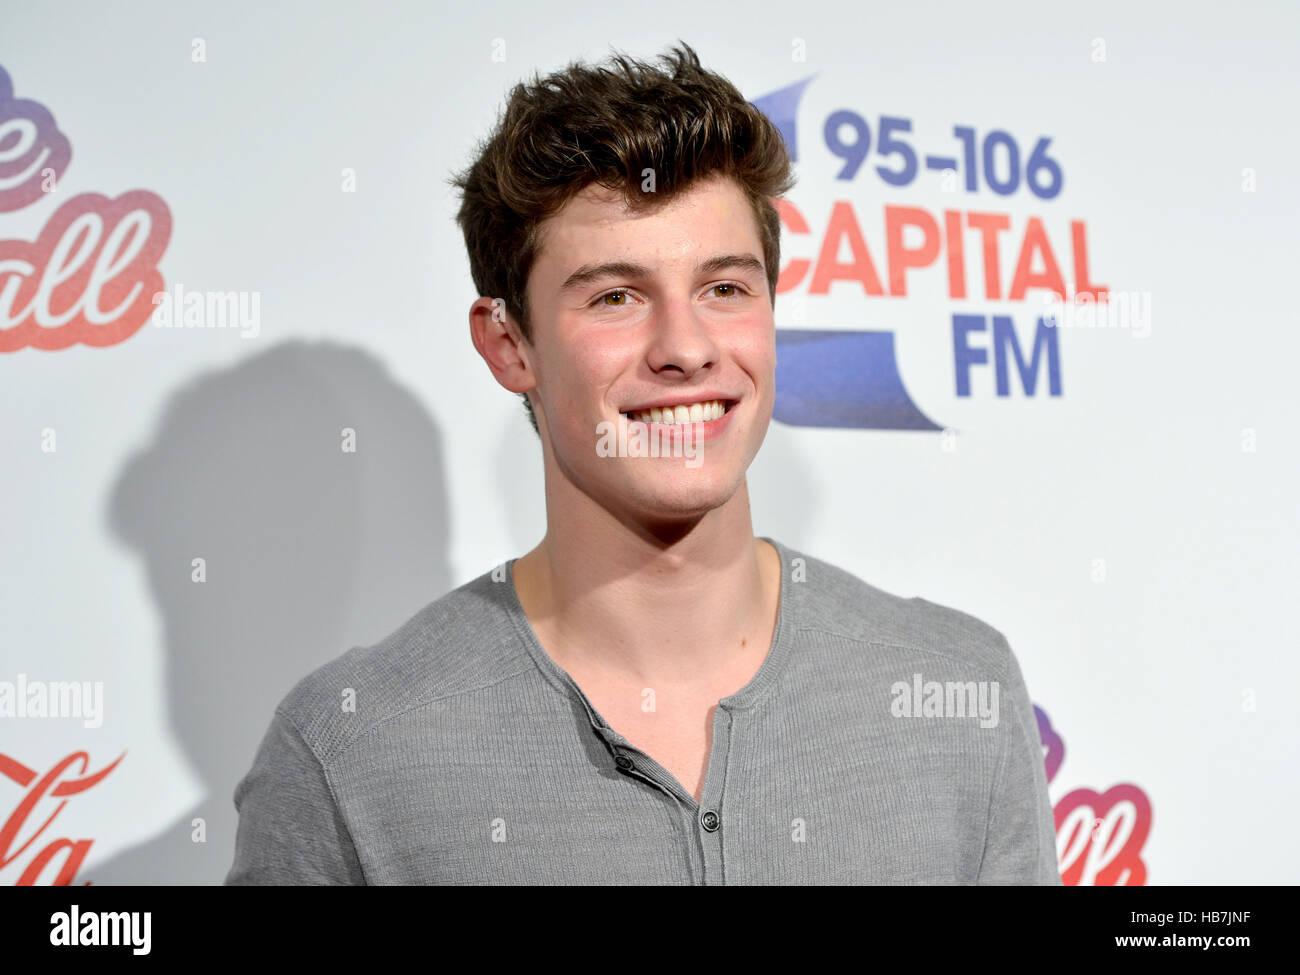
(500, 343)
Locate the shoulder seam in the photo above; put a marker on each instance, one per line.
(999, 669)
(990, 814)
(329, 784)
(362, 734)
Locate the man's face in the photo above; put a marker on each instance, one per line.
(686, 319)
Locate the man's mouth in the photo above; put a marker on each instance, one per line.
(700, 412)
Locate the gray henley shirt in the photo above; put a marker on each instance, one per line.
(470, 757)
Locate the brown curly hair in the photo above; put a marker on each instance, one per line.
(607, 124)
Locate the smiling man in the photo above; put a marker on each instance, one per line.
(649, 578)
(652, 695)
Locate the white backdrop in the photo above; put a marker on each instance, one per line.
(1134, 536)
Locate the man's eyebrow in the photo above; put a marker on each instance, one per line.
(610, 269)
(739, 262)
(589, 273)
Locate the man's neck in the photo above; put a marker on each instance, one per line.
(697, 612)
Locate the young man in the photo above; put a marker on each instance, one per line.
(652, 695)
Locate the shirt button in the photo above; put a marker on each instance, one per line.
(709, 821)
(624, 762)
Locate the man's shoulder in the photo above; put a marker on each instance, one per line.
(458, 643)
(835, 601)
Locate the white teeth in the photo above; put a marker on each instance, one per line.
(686, 413)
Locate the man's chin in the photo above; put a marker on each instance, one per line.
(673, 500)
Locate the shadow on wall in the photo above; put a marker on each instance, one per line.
(308, 550)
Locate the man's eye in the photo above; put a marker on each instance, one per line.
(621, 297)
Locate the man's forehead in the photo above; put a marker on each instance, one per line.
(583, 231)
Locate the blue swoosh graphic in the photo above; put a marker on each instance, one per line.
(834, 378)
(842, 379)
(781, 107)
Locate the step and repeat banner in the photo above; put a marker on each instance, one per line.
(1034, 356)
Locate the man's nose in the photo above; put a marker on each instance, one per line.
(681, 340)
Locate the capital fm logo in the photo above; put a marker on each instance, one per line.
(91, 274)
(1012, 283)
(1099, 835)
